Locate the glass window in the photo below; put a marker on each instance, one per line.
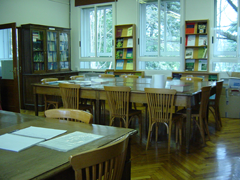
(97, 36)
(160, 23)
(6, 44)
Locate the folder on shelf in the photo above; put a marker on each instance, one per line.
(129, 65)
(129, 54)
(119, 64)
(190, 28)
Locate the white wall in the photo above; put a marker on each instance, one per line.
(42, 12)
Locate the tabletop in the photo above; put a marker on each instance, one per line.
(36, 160)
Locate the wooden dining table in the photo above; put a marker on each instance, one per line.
(38, 162)
(95, 90)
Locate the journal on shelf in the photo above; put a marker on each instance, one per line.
(189, 64)
(130, 42)
(202, 40)
(190, 40)
(119, 54)
(129, 65)
(129, 31)
(202, 65)
(190, 27)
(119, 33)
(119, 43)
(129, 54)
(189, 53)
(120, 63)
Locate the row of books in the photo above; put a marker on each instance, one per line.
(126, 53)
(191, 40)
(63, 37)
(192, 28)
(124, 32)
(121, 42)
(38, 57)
(196, 53)
(124, 64)
(38, 66)
(52, 46)
(52, 56)
(190, 65)
(51, 36)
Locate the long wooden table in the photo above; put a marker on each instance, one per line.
(96, 91)
(42, 163)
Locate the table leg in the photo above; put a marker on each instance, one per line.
(97, 109)
(35, 101)
(188, 123)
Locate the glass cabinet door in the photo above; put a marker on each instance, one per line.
(38, 50)
(64, 51)
(52, 50)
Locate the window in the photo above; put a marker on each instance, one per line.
(96, 37)
(160, 24)
(226, 44)
(5, 44)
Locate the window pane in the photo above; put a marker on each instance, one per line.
(104, 31)
(6, 44)
(88, 32)
(149, 30)
(170, 29)
(226, 28)
(156, 65)
(226, 67)
(96, 65)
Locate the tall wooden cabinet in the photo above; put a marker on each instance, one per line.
(125, 47)
(44, 52)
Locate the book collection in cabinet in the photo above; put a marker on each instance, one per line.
(125, 47)
(45, 49)
(196, 46)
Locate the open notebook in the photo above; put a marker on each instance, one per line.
(27, 137)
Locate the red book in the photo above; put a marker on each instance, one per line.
(119, 33)
(190, 28)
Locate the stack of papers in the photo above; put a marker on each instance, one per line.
(70, 141)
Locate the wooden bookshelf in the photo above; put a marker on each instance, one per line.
(197, 46)
(125, 47)
(118, 73)
(205, 75)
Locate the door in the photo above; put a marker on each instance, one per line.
(9, 68)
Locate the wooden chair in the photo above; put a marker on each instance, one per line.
(106, 162)
(118, 98)
(75, 77)
(129, 76)
(70, 114)
(200, 113)
(160, 107)
(214, 105)
(106, 76)
(169, 78)
(51, 100)
(71, 97)
(191, 79)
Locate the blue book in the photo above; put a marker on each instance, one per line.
(129, 54)
(119, 64)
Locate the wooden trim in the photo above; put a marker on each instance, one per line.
(84, 2)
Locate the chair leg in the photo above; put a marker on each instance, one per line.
(169, 136)
(149, 135)
(45, 101)
(156, 132)
(206, 128)
(140, 127)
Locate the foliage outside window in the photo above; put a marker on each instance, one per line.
(160, 23)
(226, 43)
(96, 37)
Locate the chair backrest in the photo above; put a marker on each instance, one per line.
(160, 104)
(118, 100)
(75, 77)
(103, 163)
(106, 76)
(205, 94)
(191, 79)
(70, 95)
(169, 78)
(218, 92)
(44, 80)
(129, 76)
(70, 115)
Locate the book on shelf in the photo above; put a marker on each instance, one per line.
(119, 64)
(201, 28)
(189, 64)
(119, 33)
(202, 40)
(129, 31)
(181, 87)
(119, 54)
(130, 42)
(190, 40)
(202, 53)
(189, 53)
(129, 54)
(129, 65)
(202, 65)
(119, 43)
(190, 27)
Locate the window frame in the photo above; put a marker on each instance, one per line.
(160, 58)
(86, 61)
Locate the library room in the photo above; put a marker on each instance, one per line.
(119, 89)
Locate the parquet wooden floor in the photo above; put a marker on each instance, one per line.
(219, 159)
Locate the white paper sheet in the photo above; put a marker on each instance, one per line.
(70, 141)
(39, 132)
(17, 143)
